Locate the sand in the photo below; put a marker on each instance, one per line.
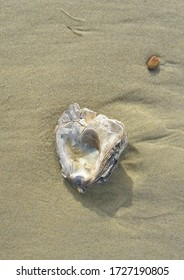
(54, 53)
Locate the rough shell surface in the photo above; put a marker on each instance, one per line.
(88, 146)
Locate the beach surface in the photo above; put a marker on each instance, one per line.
(55, 53)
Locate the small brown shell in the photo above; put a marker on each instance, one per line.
(153, 62)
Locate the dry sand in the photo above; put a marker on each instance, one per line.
(54, 53)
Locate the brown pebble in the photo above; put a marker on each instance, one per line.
(153, 62)
(90, 137)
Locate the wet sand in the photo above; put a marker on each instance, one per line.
(94, 53)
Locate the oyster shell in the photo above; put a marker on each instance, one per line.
(88, 146)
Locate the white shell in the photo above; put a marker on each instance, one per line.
(88, 146)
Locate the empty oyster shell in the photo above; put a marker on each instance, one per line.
(88, 146)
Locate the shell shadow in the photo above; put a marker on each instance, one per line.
(155, 71)
(109, 197)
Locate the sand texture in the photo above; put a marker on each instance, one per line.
(54, 53)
